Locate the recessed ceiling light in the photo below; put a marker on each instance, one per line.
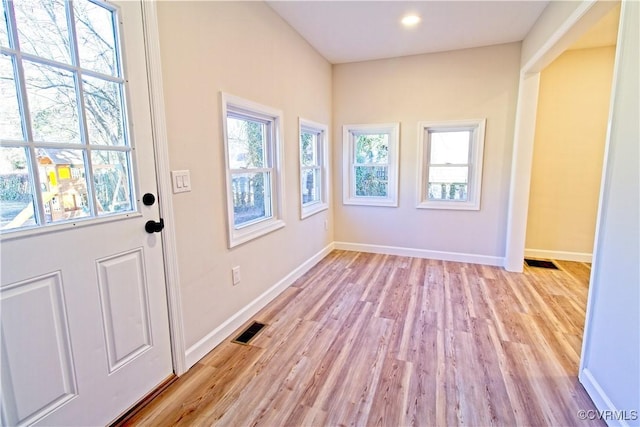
(410, 20)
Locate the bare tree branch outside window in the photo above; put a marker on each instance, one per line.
(66, 57)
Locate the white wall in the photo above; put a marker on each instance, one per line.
(245, 49)
(571, 125)
(552, 17)
(610, 368)
(466, 84)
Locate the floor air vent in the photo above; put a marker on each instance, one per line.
(248, 334)
(540, 263)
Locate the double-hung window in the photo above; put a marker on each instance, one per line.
(450, 164)
(65, 150)
(314, 185)
(370, 164)
(253, 150)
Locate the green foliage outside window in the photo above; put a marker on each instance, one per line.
(371, 149)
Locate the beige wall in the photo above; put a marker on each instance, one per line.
(245, 49)
(571, 126)
(473, 83)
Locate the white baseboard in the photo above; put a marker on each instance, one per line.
(602, 402)
(421, 253)
(560, 255)
(215, 337)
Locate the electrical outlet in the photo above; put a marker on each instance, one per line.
(235, 273)
(326, 224)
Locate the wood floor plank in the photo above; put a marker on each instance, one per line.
(391, 395)
(500, 408)
(350, 399)
(423, 362)
(327, 371)
(305, 416)
(372, 339)
(581, 271)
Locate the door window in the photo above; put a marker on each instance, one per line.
(65, 149)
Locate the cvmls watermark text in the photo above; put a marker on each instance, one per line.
(593, 414)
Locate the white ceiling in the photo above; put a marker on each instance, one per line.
(350, 31)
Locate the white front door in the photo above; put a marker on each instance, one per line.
(84, 319)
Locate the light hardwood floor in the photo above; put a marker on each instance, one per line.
(378, 340)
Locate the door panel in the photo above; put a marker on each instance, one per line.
(34, 323)
(123, 298)
(84, 319)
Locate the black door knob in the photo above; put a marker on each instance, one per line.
(153, 226)
(148, 199)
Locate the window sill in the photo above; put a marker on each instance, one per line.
(312, 209)
(390, 203)
(246, 234)
(449, 205)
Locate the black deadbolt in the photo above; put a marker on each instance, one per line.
(148, 199)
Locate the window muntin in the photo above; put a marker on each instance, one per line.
(254, 179)
(371, 164)
(450, 168)
(66, 152)
(313, 168)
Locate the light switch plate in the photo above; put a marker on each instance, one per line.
(181, 181)
(235, 273)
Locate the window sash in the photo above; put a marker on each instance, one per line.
(250, 170)
(318, 187)
(374, 184)
(315, 147)
(267, 145)
(371, 164)
(354, 148)
(267, 202)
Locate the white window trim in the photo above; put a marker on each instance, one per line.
(246, 233)
(348, 181)
(323, 161)
(475, 164)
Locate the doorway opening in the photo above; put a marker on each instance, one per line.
(570, 133)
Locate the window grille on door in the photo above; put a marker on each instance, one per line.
(65, 148)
